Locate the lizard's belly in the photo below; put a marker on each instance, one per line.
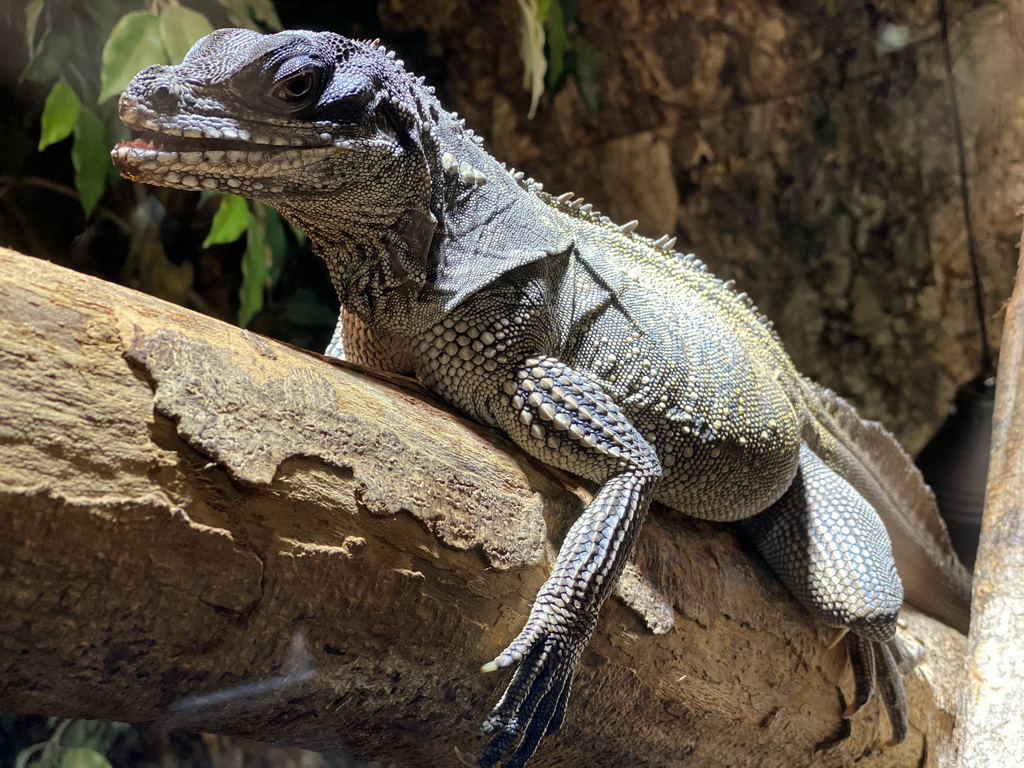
(718, 417)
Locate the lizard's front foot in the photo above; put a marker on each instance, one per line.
(533, 705)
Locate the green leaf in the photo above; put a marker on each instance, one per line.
(90, 156)
(133, 45)
(276, 241)
(59, 115)
(252, 14)
(180, 28)
(82, 757)
(229, 222)
(586, 63)
(254, 273)
(265, 14)
(558, 39)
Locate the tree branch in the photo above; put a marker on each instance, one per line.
(991, 731)
(204, 527)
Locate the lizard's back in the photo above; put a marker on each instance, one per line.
(697, 371)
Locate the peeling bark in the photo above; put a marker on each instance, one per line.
(203, 527)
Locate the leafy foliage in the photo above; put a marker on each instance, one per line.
(555, 48)
(255, 268)
(252, 14)
(162, 33)
(133, 45)
(179, 28)
(230, 221)
(73, 744)
(59, 114)
(89, 154)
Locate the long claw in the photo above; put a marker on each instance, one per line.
(890, 686)
(839, 635)
(877, 665)
(559, 713)
(512, 701)
(499, 745)
(539, 726)
(905, 659)
(862, 659)
(534, 702)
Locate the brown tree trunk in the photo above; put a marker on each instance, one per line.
(207, 528)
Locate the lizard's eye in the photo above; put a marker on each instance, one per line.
(296, 87)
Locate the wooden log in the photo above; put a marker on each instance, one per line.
(203, 527)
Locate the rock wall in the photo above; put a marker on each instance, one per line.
(805, 148)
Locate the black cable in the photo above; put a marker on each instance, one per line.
(988, 368)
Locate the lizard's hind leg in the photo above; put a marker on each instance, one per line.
(829, 547)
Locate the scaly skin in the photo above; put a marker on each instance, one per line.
(595, 350)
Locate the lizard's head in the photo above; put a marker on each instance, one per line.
(287, 118)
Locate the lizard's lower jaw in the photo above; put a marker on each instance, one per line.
(224, 165)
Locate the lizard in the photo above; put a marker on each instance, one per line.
(594, 349)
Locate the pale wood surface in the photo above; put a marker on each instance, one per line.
(189, 510)
(992, 729)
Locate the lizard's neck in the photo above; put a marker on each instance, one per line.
(375, 237)
(378, 267)
(402, 262)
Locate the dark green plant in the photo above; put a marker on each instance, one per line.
(82, 105)
(73, 744)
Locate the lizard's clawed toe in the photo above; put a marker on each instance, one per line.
(467, 758)
(533, 705)
(877, 665)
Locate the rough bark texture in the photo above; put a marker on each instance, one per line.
(992, 729)
(202, 526)
(803, 147)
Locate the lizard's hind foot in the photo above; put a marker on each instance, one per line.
(879, 665)
(827, 544)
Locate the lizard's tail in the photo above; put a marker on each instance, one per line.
(870, 459)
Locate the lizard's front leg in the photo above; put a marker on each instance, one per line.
(336, 348)
(356, 342)
(564, 419)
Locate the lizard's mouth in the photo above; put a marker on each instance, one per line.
(207, 162)
(157, 141)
